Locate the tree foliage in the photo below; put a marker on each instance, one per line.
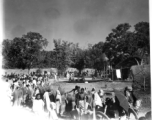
(29, 51)
(7, 61)
(122, 43)
(142, 35)
(63, 54)
(23, 52)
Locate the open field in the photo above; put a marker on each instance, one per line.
(98, 84)
(108, 86)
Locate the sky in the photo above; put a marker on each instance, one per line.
(79, 21)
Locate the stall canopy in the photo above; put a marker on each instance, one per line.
(89, 71)
(72, 70)
(55, 70)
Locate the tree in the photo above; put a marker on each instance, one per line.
(6, 45)
(122, 43)
(79, 59)
(112, 47)
(50, 59)
(63, 54)
(143, 38)
(97, 56)
(42, 61)
(24, 51)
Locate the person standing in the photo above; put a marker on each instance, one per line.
(128, 92)
(68, 75)
(55, 76)
(50, 107)
(83, 105)
(96, 98)
(38, 105)
(58, 101)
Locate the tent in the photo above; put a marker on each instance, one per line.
(90, 71)
(72, 70)
(54, 70)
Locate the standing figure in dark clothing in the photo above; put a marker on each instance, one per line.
(82, 94)
(132, 100)
(83, 105)
(75, 89)
(128, 92)
(77, 92)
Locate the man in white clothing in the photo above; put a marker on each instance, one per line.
(58, 101)
(50, 106)
(38, 105)
(97, 99)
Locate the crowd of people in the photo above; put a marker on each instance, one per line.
(36, 92)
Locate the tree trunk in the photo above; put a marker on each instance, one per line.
(144, 83)
(79, 72)
(137, 61)
(143, 71)
(112, 72)
(28, 71)
(104, 71)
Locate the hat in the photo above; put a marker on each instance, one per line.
(129, 88)
(93, 89)
(101, 92)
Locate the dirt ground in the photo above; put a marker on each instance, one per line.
(99, 84)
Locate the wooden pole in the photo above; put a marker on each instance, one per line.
(94, 112)
(144, 77)
(112, 72)
(144, 82)
(104, 70)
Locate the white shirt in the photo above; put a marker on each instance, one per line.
(47, 100)
(58, 95)
(16, 83)
(50, 106)
(38, 106)
(97, 99)
(34, 81)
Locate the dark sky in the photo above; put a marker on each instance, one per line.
(78, 21)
